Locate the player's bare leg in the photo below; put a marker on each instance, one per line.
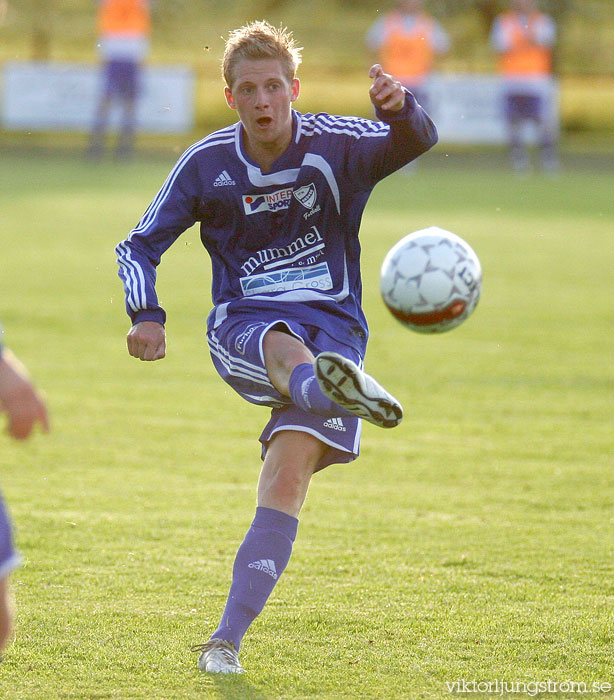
(283, 352)
(289, 464)
(6, 614)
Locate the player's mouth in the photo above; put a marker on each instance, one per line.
(264, 122)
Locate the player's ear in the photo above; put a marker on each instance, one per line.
(229, 98)
(296, 88)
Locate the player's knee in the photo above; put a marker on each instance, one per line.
(282, 353)
(288, 482)
(290, 462)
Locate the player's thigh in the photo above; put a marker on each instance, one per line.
(282, 353)
(237, 351)
(301, 450)
(291, 459)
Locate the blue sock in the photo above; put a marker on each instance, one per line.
(305, 393)
(260, 561)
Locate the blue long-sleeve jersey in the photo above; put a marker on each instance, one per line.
(286, 236)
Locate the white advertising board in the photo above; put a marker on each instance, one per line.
(63, 96)
(470, 108)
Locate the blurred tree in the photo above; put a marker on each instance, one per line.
(41, 13)
(263, 7)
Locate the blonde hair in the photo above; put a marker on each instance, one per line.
(257, 40)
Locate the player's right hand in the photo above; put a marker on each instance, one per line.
(147, 341)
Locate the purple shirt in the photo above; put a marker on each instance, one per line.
(288, 237)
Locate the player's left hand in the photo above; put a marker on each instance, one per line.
(386, 92)
(18, 397)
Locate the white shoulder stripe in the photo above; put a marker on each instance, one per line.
(351, 126)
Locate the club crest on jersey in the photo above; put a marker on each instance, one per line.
(306, 195)
(272, 201)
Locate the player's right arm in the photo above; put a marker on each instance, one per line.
(173, 210)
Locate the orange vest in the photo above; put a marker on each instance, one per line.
(524, 57)
(124, 17)
(408, 55)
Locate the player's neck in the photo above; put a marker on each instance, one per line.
(265, 154)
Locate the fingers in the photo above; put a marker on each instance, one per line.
(146, 350)
(24, 413)
(19, 399)
(385, 92)
(147, 341)
(375, 71)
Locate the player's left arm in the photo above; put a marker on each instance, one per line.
(411, 132)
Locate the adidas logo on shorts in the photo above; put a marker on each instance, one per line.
(335, 424)
(223, 179)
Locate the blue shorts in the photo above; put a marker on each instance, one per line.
(523, 106)
(238, 356)
(9, 559)
(121, 79)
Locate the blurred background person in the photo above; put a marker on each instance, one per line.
(524, 38)
(124, 28)
(406, 42)
(25, 408)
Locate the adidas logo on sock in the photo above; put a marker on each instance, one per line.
(267, 566)
(335, 424)
(223, 179)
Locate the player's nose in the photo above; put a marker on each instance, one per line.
(262, 98)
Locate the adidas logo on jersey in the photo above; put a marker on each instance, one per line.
(335, 424)
(223, 179)
(267, 566)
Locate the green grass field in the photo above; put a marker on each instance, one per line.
(473, 542)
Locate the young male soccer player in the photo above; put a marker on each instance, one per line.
(279, 196)
(24, 408)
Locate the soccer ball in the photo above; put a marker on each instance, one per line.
(431, 280)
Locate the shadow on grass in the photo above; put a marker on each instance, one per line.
(235, 687)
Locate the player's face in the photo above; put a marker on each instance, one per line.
(262, 94)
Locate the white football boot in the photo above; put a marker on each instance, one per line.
(346, 384)
(218, 656)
